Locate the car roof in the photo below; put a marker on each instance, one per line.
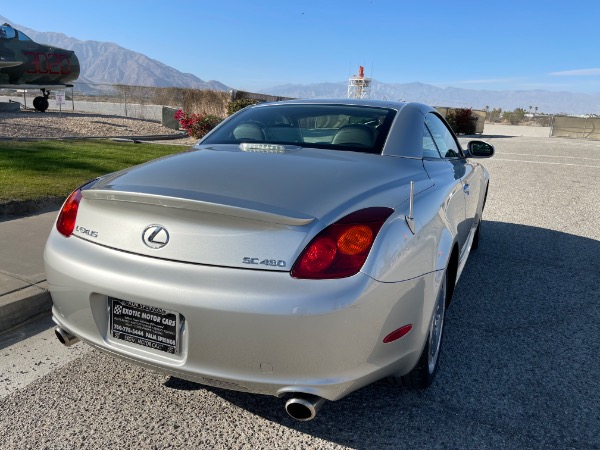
(405, 138)
(340, 101)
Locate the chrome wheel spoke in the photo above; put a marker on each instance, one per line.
(437, 326)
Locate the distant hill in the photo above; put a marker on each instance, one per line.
(546, 101)
(109, 63)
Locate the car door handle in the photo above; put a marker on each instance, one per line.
(466, 188)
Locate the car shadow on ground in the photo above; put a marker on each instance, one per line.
(519, 361)
(474, 137)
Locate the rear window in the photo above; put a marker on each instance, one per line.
(335, 127)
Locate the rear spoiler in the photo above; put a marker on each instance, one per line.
(215, 204)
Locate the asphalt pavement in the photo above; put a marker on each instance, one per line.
(519, 367)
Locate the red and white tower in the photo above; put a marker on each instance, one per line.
(358, 85)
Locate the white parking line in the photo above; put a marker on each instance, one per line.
(32, 352)
(544, 162)
(551, 156)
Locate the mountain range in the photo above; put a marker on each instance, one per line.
(109, 63)
(546, 101)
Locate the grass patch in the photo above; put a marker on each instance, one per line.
(31, 171)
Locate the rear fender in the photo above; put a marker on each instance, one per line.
(444, 250)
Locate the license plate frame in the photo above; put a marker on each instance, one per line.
(144, 325)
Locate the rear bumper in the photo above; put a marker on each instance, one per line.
(246, 330)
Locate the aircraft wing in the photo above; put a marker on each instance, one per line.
(35, 86)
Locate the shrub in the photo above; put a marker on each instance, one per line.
(514, 117)
(496, 115)
(197, 125)
(236, 105)
(462, 121)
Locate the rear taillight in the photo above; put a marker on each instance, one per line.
(65, 223)
(341, 249)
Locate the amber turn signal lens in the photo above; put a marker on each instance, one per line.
(355, 240)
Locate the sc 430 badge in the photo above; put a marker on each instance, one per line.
(264, 262)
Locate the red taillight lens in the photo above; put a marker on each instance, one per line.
(341, 249)
(65, 223)
(397, 334)
(319, 255)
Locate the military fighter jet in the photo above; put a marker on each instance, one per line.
(25, 64)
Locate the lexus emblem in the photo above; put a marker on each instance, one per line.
(155, 236)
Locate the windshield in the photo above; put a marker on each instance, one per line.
(336, 127)
(23, 37)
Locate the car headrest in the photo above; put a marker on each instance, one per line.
(359, 135)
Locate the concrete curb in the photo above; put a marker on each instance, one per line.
(18, 209)
(30, 298)
(18, 307)
(156, 137)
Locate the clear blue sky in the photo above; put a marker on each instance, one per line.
(485, 44)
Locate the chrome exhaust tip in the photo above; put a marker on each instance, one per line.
(304, 406)
(65, 338)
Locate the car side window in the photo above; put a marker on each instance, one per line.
(443, 137)
(429, 148)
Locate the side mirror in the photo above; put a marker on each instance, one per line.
(479, 149)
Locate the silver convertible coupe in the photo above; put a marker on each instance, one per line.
(301, 249)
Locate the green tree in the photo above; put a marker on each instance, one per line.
(495, 115)
(514, 117)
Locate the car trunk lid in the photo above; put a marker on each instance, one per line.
(234, 209)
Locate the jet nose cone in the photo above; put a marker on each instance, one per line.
(74, 66)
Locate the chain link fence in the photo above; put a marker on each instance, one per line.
(141, 102)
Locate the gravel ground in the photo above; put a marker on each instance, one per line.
(68, 124)
(55, 125)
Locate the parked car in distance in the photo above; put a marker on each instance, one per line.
(302, 249)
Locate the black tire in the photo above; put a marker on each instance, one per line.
(475, 244)
(40, 104)
(422, 375)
